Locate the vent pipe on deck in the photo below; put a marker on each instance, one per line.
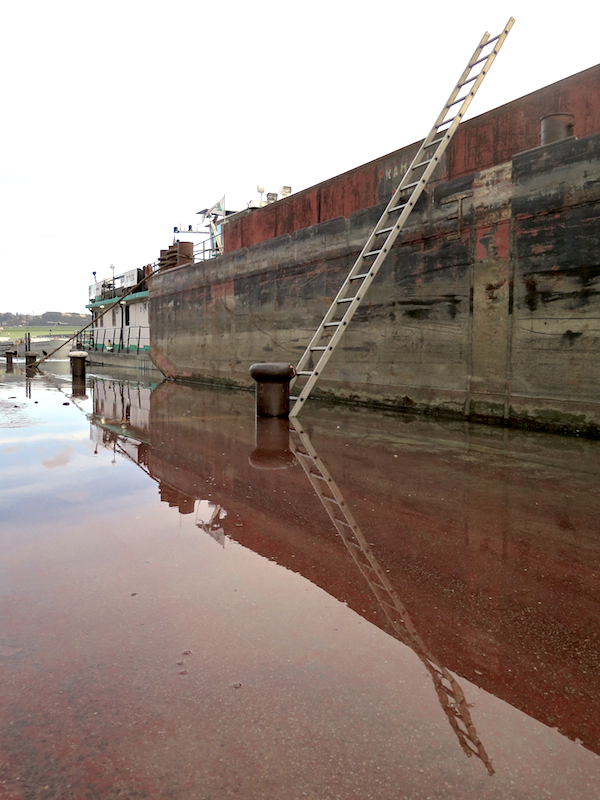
(556, 127)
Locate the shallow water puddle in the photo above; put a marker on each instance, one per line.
(378, 606)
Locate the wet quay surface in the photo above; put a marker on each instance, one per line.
(371, 606)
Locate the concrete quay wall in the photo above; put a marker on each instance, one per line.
(137, 361)
(487, 307)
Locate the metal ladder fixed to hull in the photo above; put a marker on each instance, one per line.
(448, 690)
(393, 219)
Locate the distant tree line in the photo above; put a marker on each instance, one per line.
(46, 320)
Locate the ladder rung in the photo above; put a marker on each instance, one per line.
(493, 39)
(435, 141)
(330, 325)
(368, 565)
(411, 185)
(379, 585)
(422, 163)
(358, 278)
(372, 253)
(479, 61)
(397, 208)
(384, 230)
(445, 122)
(343, 300)
(304, 372)
(318, 348)
(331, 500)
(342, 522)
(458, 100)
(469, 80)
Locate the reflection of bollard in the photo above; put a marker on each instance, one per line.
(78, 387)
(78, 358)
(272, 444)
(272, 388)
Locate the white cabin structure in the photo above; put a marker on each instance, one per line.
(120, 320)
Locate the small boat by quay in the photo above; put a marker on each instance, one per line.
(6, 343)
(43, 346)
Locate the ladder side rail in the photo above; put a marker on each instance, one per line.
(467, 737)
(441, 148)
(375, 265)
(406, 630)
(351, 309)
(372, 270)
(417, 162)
(466, 102)
(457, 710)
(452, 699)
(439, 121)
(489, 60)
(352, 525)
(443, 144)
(355, 302)
(473, 61)
(324, 473)
(426, 143)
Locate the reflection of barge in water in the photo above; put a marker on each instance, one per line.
(490, 538)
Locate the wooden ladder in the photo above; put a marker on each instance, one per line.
(384, 234)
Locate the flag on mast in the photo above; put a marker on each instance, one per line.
(218, 209)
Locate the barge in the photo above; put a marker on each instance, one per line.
(487, 307)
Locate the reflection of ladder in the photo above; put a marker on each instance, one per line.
(212, 526)
(450, 694)
(383, 236)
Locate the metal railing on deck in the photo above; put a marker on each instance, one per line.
(205, 250)
(131, 339)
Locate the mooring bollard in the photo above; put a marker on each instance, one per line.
(78, 358)
(9, 357)
(272, 388)
(272, 449)
(30, 367)
(30, 358)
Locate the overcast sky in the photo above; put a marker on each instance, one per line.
(123, 119)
